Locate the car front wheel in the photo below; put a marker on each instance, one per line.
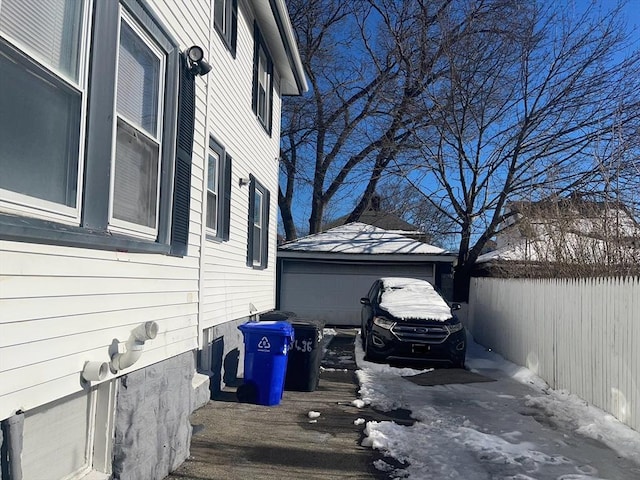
(368, 351)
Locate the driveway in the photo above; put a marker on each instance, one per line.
(243, 441)
(372, 421)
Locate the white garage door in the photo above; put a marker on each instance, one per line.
(331, 292)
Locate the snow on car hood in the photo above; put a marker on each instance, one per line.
(406, 298)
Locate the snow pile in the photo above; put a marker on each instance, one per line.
(407, 298)
(508, 430)
(593, 422)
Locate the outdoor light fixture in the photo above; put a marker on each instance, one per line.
(196, 62)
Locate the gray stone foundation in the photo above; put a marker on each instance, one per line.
(152, 429)
(222, 358)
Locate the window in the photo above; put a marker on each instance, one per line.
(258, 233)
(218, 212)
(262, 81)
(44, 87)
(225, 20)
(118, 113)
(135, 187)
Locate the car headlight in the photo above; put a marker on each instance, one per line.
(383, 322)
(456, 327)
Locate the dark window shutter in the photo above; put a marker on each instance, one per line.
(252, 197)
(265, 229)
(234, 27)
(184, 151)
(226, 201)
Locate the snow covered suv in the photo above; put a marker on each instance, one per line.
(406, 319)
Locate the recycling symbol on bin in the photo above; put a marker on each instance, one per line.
(264, 344)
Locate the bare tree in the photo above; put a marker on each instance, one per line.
(474, 102)
(408, 203)
(367, 63)
(520, 112)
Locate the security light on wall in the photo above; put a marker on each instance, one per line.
(243, 181)
(196, 62)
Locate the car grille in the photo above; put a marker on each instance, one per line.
(420, 333)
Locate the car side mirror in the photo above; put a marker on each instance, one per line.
(455, 306)
(365, 301)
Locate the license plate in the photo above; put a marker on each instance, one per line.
(420, 348)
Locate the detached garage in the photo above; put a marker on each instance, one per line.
(322, 277)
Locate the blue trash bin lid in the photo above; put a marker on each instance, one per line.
(281, 327)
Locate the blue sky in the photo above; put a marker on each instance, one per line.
(346, 199)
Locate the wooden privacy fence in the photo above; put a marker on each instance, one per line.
(579, 335)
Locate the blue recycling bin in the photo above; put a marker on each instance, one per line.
(266, 345)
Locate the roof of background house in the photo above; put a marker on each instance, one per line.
(389, 221)
(574, 205)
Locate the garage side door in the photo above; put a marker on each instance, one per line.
(331, 292)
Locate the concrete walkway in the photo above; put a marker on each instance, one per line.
(242, 441)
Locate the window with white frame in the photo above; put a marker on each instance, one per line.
(225, 20)
(135, 188)
(258, 233)
(218, 207)
(75, 114)
(262, 81)
(212, 191)
(43, 95)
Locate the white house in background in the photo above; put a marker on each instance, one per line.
(138, 153)
(567, 230)
(322, 277)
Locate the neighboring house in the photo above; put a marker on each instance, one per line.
(374, 215)
(567, 230)
(322, 277)
(137, 228)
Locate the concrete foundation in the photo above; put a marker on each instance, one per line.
(152, 429)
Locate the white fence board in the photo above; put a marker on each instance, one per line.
(579, 335)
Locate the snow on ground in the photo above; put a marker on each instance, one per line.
(515, 428)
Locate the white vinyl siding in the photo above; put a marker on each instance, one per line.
(230, 288)
(56, 442)
(64, 306)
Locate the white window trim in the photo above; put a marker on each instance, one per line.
(264, 82)
(260, 226)
(22, 204)
(214, 154)
(117, 225)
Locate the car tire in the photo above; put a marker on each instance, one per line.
(459, 363)
(368, 352)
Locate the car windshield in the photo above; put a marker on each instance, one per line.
(406, 298)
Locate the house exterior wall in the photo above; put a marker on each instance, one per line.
(232, 291)
(229, 286)
(63, 306)
(578, 335)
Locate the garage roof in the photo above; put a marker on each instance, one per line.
(361, 239)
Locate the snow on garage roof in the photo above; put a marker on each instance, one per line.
(360, 238)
